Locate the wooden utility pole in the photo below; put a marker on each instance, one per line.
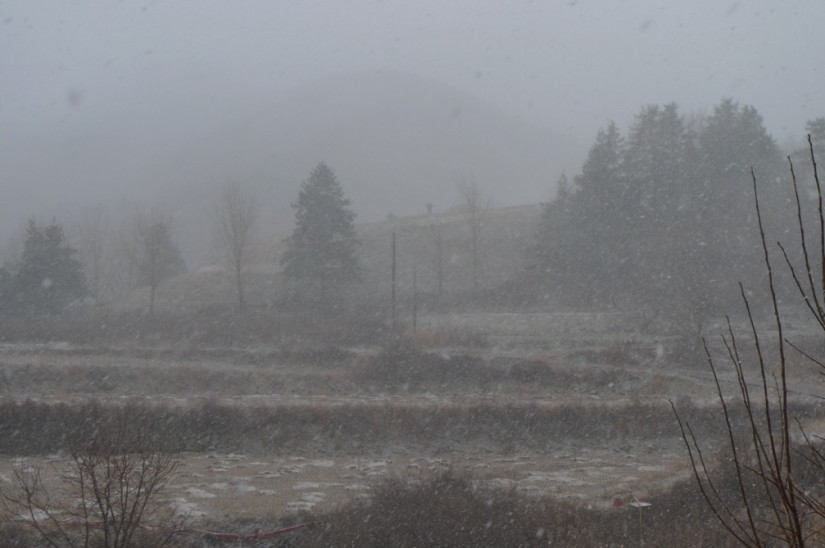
(394, 313)
(415, 305)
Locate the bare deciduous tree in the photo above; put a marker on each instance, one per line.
(125, 253)
(771, 503)
(90, 235)
(476, 206)
(113, 486)
(438, 258)
(236, 219)
(157, 257)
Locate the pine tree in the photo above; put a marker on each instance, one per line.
(322, 245)
(732, 141)
(598, 218)
(551, 256)
(600, 179)
(578, 230)
(658, 163)
(656, 217)
(49, 276)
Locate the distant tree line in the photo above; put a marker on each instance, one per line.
(654, 225)
(48, 273)
(659, 222)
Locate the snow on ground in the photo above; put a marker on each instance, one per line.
(261, 488)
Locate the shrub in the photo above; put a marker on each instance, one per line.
(402, 362)
(113, 486)
(456, 510)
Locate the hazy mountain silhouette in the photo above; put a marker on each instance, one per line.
(396, 141)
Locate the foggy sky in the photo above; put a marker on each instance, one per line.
(163, 72)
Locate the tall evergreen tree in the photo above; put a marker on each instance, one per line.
(655, 222)
(659, 166)
(49, 276)
(732, 141)
(601, 177)
(578, 233)
(548, 253)
(323, 244)
(657, 162)
(601, 216)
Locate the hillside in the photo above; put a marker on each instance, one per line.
(396, 140)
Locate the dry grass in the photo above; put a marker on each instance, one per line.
(321, 398)
(211, 326)
(30, 427)
(404, 364)
(431, 337)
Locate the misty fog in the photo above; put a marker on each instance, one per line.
(142, 104)
(412, 266)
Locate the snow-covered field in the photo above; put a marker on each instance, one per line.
(227, 487)
(612, 371)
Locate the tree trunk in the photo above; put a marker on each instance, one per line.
(239, 282)
(152, 289)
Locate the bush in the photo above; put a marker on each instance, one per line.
(113, 486)
(456, 510)
(402, 362)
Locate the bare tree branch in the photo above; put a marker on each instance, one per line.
(237, 213)
(476, 208)
(776, 507)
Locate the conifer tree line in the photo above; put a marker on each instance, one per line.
(50, 273)
(659, 221)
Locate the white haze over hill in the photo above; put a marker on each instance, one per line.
(396, 141)
(140, 103)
